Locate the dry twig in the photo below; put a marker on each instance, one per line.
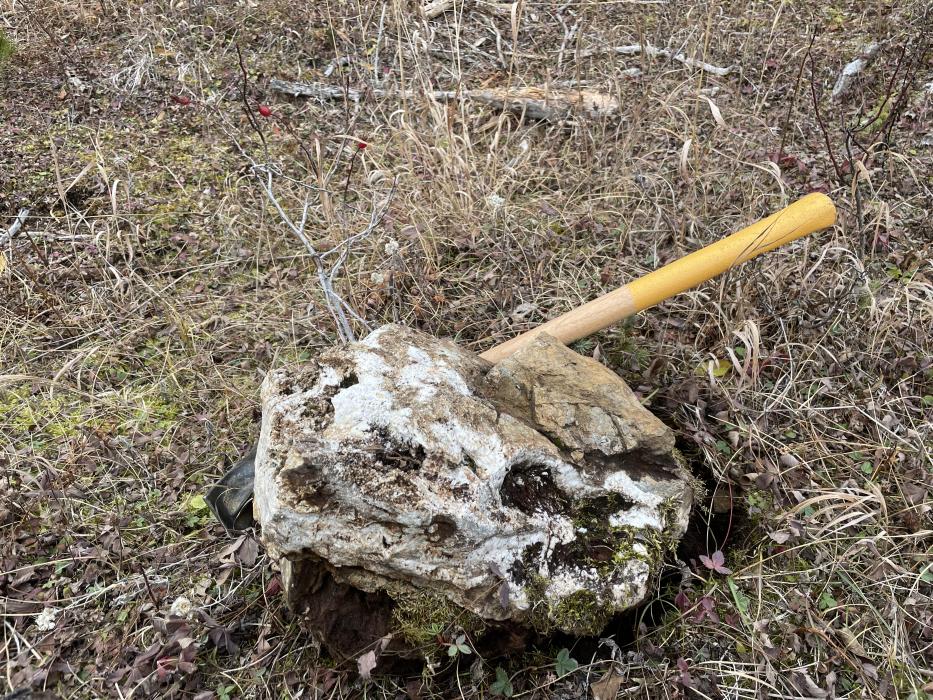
(338, 308)
(852, 69)
(15, 226)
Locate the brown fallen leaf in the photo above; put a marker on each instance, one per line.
(248, 552)
(806, 686)
(607, 687)
(227, 554)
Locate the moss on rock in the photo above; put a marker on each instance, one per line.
(613, 553)
(421, 615)
(584, 612)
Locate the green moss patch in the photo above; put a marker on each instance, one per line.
(605, 550)
(583, 611)
(421, 616)
(6, 49)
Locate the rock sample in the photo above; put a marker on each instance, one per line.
(537, 491)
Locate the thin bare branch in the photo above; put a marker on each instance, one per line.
(15, 226)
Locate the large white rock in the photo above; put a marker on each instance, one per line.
(538, 490)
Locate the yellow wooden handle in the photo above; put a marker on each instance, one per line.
(803, 217)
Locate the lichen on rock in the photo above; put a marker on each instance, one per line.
(537, 491)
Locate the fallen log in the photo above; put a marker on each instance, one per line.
(547, 104)
(436, 8)
(654, 52)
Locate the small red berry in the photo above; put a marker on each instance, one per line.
(182, 100)
(361, 146)
(265, 111)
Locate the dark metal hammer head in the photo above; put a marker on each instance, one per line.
(231, 498)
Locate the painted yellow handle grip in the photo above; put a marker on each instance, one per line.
(803, 217)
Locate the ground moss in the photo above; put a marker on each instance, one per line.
(156, 411)
(44, 421)
(43, 418)
(624, 347)
(582, 611)
(6, 49)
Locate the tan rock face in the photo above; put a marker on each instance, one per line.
(538, 491)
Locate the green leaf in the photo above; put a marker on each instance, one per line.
(721, 368)
(196, 503)
(565, 663)
(827, 601)
(866, 468)
(502, 685)
(758, 500)
(459, 646)
(742, 603)
(718, 368)
(927, 400)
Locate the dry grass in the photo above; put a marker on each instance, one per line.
(153, 284)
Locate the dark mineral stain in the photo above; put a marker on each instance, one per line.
(441, 528)
(306, 480)
(391, 455)
(350, 379)
(637, 464)
(529, 487)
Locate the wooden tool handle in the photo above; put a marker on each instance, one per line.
(803, 217)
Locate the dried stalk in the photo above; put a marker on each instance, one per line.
(793, 100)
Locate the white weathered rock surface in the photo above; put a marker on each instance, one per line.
(538, 490)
